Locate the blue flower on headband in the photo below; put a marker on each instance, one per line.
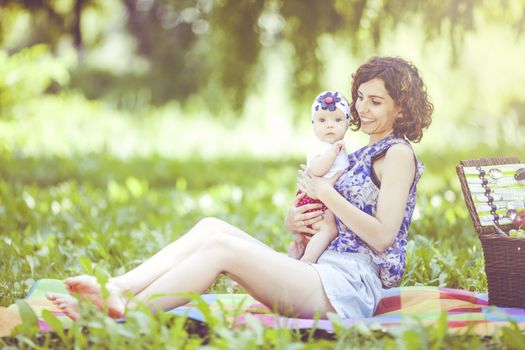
(328, 101)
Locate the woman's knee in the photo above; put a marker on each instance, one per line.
(221, 247)
(210, 225)
(214, 226)
(209, 221)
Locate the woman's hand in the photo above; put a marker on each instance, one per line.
(297, 219)
(313, 185)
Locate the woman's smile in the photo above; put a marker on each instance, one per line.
(365, 120)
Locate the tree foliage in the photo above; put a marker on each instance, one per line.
(213, 47)
(28, 74)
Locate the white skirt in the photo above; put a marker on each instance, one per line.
(351, 283)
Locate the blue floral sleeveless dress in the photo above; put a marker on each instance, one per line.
(352, 273)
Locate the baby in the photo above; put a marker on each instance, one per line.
(330, 120)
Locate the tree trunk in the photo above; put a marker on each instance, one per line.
(77, 32)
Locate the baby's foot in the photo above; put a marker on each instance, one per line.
(88, 287)
(65, 303)
(296, 250)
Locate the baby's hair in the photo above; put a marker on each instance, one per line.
(405, 86)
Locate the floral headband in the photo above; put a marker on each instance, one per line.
(331, 100)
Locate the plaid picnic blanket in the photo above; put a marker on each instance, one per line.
(465, 310)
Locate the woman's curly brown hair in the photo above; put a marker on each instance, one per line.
(405, 86)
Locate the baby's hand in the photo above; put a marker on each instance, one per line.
(338, 146)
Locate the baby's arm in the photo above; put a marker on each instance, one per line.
(323, 162)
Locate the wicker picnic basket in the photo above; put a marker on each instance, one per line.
(504, 255)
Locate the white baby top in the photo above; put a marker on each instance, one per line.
(319, 147)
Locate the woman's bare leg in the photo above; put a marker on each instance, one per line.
(141, 276)
(287, 285)
(146, 273)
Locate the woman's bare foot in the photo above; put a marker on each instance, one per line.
(296, 250)
(88, 287)
(65, 303)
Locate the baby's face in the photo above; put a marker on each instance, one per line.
(330, 126)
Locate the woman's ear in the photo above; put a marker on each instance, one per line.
(399, 115)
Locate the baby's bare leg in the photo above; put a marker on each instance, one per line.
(320, 241)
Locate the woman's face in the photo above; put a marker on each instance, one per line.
(376, 109)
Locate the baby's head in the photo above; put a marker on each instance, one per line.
(330, 116)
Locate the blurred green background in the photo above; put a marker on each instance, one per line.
(223, 78)
(124, 121)
(216, 78)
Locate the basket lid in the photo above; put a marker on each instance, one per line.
(492, 191)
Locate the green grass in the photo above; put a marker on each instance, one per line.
(64, 216)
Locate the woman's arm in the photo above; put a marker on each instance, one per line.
(378, 232)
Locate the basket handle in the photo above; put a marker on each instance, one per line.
(489, 161)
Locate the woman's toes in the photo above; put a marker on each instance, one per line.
(70, 284)
(72, 314)
(51, 296)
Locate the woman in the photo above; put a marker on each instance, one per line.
(373, 202)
